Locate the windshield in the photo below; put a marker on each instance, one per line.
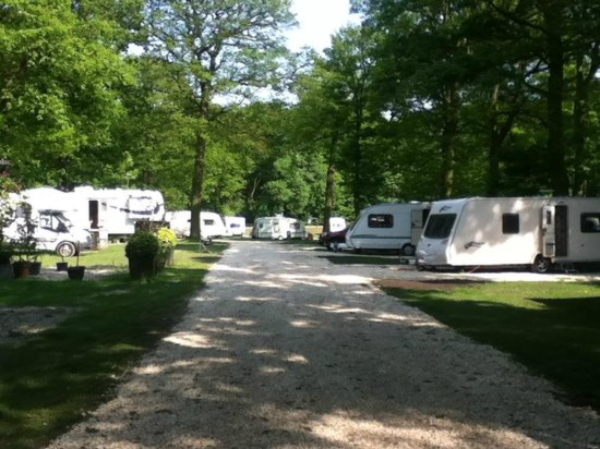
(439, 226)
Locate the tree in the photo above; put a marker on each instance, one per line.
(221, 48)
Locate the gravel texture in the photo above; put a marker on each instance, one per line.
(285, 350)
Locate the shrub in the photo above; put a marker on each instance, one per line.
(142, 245)
(167, 239)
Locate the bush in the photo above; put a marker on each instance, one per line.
(142, 245)
(167, 239)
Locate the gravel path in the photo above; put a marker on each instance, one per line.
(285, 350)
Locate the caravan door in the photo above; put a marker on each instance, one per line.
(548, 232)
(418, 217)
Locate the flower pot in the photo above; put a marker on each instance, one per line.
(21, 269)
(140, 268)
(62, 266)
(36, 268)
(76, 273)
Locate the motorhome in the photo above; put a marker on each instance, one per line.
(45, 210)
(235, 226)
(388, 227)
(115, 212)
(278, 228)
(536, 232)
(211, 225)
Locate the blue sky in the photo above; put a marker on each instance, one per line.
(318, 20)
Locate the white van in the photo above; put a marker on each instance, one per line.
(388, 227)
(52, 230)
(535, 232)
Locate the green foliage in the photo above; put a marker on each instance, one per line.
(142, 245)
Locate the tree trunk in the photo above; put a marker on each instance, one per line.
(555, 147)
(580, 118)
(198, 185)
(330, 197)
(449, 131)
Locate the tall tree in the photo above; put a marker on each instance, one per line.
(222, 48)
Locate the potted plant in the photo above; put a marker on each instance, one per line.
(141, 250)
(25, 246)
(62, 265)
(77, 272)
(167, 239)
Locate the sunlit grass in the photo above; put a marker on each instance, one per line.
(48, 381)
(552, 328)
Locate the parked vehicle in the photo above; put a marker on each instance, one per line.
(278, 228)
(388, 227)
(211, 224)
(53, 230)
(336, 224)
(235, 226)
(536, 232)
(335, 240)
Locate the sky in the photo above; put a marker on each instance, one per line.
(318, 20)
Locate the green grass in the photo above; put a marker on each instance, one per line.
(47, 382)
(551, 328)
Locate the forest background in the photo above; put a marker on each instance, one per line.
(423, 100)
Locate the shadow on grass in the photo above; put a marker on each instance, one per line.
(557, 338)
(47, 381)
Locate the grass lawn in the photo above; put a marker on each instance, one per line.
(551, 328)
(47, 382)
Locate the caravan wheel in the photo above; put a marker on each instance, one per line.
(407, 250)
(541, 264)
(66, 249)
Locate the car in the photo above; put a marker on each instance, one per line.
(333, 240)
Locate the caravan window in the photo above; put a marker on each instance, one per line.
(590, 222)
(381, 221)
(439, 226)
(209, 222)
(510, 223)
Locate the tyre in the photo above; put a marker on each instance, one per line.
(541, 264)
(66, 249)
(407, 250)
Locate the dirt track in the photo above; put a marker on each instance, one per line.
(285, 350)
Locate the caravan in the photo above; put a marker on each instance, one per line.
(235, 226)
(388, 227)
(535, 232)
(278, 228)
(211, 225)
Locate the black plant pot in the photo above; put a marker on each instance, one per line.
(36, 268)
(141, 268)
(21, 269)
(62, 266)
(76, 273)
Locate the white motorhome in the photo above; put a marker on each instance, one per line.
(115, 212)
(278, 228)
(53, 231)
(211, 225)
(388, 227)
(535, 232)
(235, 226)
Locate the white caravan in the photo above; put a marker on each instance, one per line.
(211, 226)
(535, 232)
(337, 224)
(235, 226)
(53, 231)
(388, 227)
(278, 228)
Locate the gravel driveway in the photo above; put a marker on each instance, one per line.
(285, 350)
